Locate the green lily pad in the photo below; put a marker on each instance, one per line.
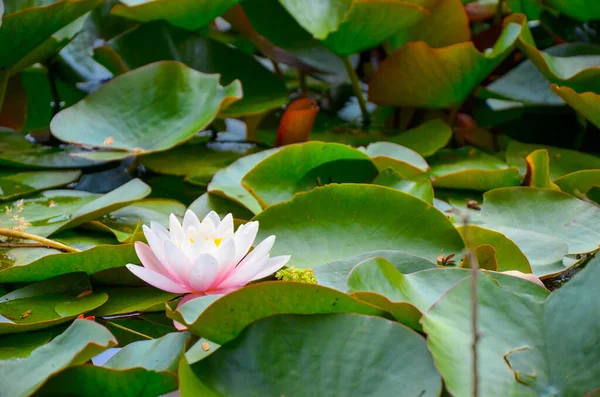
(277, 355)
(122, 300)
(157, 41)
(526, 84)
(15, 151)
(132, 112)
(544, 211)
(420, 188)
(562, 161)
(538, 170)
(338, 221)
(579, 182)
(426, 139)
(223, 319)
(350, 26)
(123, 222)
(452, 73)
(508, 254)
(405, 161)
(26, 26)
(21, 345)
(47, 303)
(15, 184)
(77, 345)
(586, 103)
(525, 358)
(334, 274)
(302, 167)
(55, 210)
(210, 202)
(583, 10)
(37, 264)
(187, 14)
(424, 288)
(451, 26)
(227, 182)
(471, 169)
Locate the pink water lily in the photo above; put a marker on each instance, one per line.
(203, 258)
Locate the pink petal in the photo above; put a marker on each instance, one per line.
(242, 276)
(148, 259)
(272, 265)
(157, 280)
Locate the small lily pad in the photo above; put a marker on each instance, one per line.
(14, 184)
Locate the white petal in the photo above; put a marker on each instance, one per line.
(148, 259)
(242, 276)
(179, 263)
(244, 237)
(157, 280)
(226, 226)
(156, 243)
(177, 233)
(271, 266)
(225, 256)
(190, 220)
(159, 230)
(214, 217)
(203, 272)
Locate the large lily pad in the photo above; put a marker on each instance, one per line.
(77, 345)
(123, 300)
(15, 184)
(302, 167)
(132, 112)
(188, 14)
(528, 357)
(294, 354)
(338, 221)
(228, 181)
(224, 319)
(27, 25)
(55, 210)
(451, 75)
(153, 42)
(544, 211)
(471, 169)
(47, 303)
(420, 188)
(211, 202)
(350, 26)
(405, 161)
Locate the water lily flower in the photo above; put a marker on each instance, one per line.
(203, 258)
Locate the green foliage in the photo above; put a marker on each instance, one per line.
(449, 161)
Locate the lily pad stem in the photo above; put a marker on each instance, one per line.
(27, 236)
(3, 85)
(357, 90)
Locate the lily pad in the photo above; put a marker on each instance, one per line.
(26, 27)
(37, 264)
(18, 152)
(420, 188)
(157, 41)
(222, 320)
(538, 170)
(77, 345)
(122, 300)
(574, 221)
(338, 221)
(350, 26)
(277, 355)
(210, 202)
(586, 103)
(425, 287)
(405, 161)
(132, 112)
(55, 210)
(562, 161)
(527, 357)
(426, 139)
(14, 184)
(302, 167)
(188, 14)
(583, 10)
(579, 182)
(228, 181)
(471, 169)
(48, 303)
(451, 75)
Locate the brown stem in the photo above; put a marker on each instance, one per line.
(27, 236)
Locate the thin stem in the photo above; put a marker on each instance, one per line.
(277, 70)
(499, 12)
(302, 82)
(23, 245)
(127, 329)
(583, 124)
(4, 76)
(357, 90)
(45, 241)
